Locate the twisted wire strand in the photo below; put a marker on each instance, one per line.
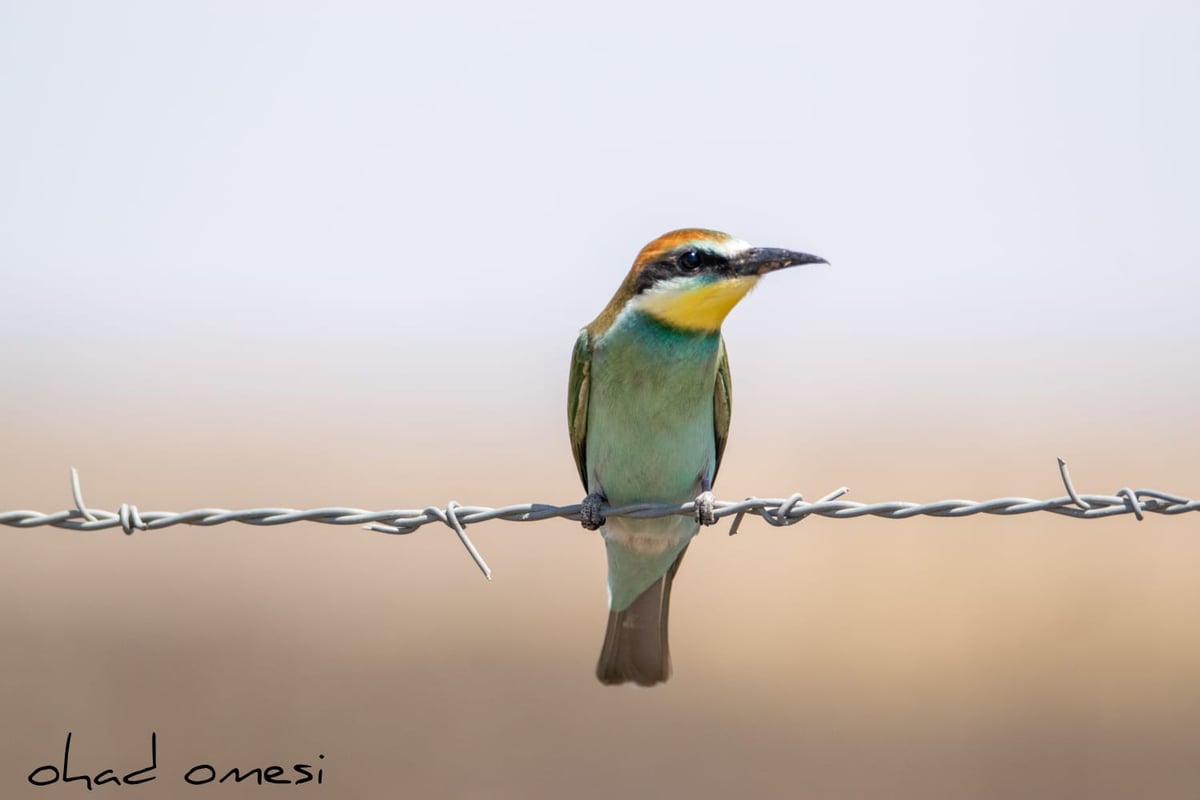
(778, 512)
(775, 511)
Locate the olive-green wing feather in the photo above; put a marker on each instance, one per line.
(577, 401)
(722, 404)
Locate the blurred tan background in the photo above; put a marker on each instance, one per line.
(947, 658)
(286, 256)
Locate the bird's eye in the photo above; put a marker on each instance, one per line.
(690, 260)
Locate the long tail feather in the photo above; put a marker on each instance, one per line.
(635, 644)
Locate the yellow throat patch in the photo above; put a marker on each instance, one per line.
(701, 308)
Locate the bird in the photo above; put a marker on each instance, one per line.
(648, 410)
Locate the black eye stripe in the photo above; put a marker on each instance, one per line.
(690, 261)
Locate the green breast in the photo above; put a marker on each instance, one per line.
(650, 415)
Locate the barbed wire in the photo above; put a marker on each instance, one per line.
(778, 512)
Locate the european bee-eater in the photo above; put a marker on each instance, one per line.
(648, 409)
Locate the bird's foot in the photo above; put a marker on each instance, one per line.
(589, 511)
(705, 513)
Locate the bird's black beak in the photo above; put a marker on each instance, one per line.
(761, 260)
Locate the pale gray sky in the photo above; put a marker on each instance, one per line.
(225, 188)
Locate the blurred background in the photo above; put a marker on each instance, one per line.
(307, 254)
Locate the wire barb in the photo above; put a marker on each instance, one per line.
(450, 517)
(77, 495)
(1066, 479)
(1134, 502)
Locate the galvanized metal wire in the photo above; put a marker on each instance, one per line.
(777, 512)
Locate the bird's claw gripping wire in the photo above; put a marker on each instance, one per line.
(706, 509)
(591, 515)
